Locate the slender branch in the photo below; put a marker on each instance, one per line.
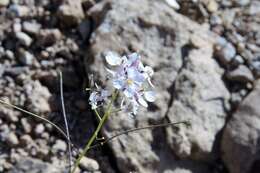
(137, 129)
(93, 137)
(65, 120)
(36, 116)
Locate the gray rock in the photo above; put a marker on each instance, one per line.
(26, 140)
(240, 141)
(47, 37)
(255, 65)
(39, 129)
(59, 146)
(201, 97)
(19, 10)
(12, 139)
(173, 3)
(71, 12)
(9, 115)
(154, 30)
(240, 74)
(88, 164)
(32, 165)
(37, 97)
(228, 17)
(238, 60)
(26, 125)
(24, 38)
(225, 52)
(9, 54)
(241, 2)
(31, 27)
(25, 57)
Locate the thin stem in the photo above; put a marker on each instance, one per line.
(65, 120)
(97, 114)
(137, 129)
(35, 115)
(93, 137)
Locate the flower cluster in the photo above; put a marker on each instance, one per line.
(130, 77)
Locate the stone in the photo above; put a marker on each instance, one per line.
(12, 139)
(17, 27)
(240, 74)
(19, 10)
(37, 97)
(9, 115)
(255, 66)
(4, 3)
(23, 38)
(70, 12)
(89, 164)
(26, 140)
(59, 146)
(241, 2)
(240, 142)
(26, 125)
(228, 17)
(48, 37)
(212, 6)
(31, 27)
(238, 60)
(25, 57)
(203, 101)
(225, 52)
(39, 129)
(154, 29)
(173, 3)
(32, 165)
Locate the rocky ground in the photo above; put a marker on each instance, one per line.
(206, 54)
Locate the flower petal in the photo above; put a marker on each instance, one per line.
(111, 72)
(149, 96)
(149, 70)
(118, 83)
(113, 59)
(142, 102)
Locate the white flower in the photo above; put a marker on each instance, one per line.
(97, 97)
(130, 77)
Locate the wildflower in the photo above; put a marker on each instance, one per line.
(131, 77)
(97, 97)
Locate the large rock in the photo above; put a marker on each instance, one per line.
(240, 142)
(201, 97)
(164, 39)
(71, 12)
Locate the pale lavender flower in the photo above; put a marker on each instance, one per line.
(131, 77)
(98, 97)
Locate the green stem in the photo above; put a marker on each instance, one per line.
(93, 137)
(97, 114)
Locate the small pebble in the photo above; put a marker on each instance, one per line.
(173, 3)
(12, 139)
(31, 27)
(59, 146)
(23, 38)
(25, 57)
(39, 129)
(89, 164)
